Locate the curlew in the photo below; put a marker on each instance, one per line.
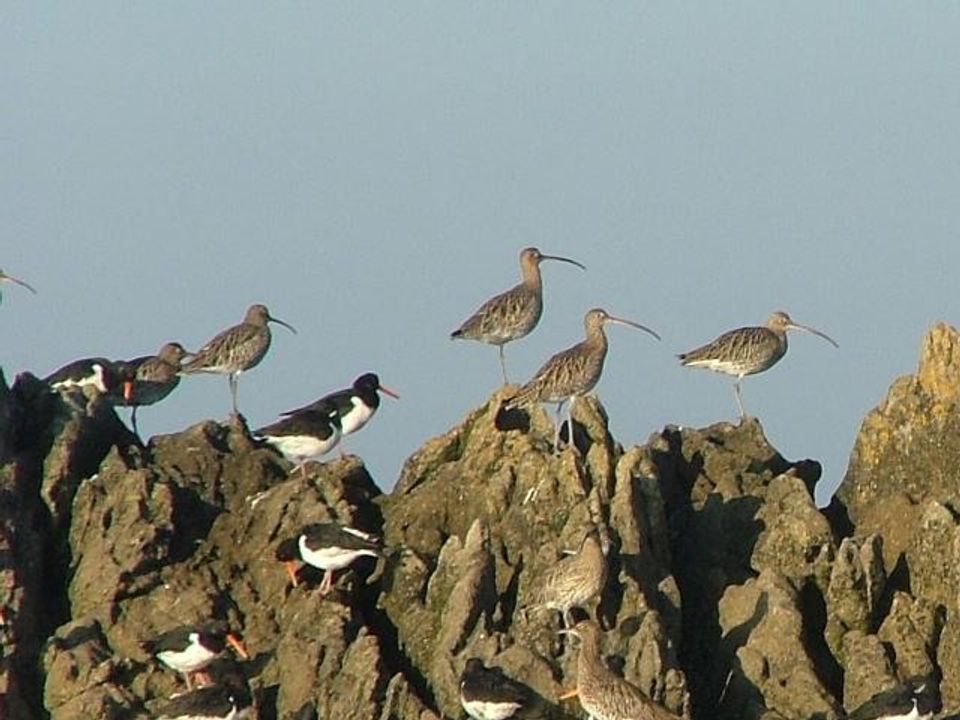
(511, 315)
(236, 349)
(576, 579)
(603, 694)
(155, 377)
(748, 350)
(573, 372)
(354, 406)
(16, 281)
(328, 546)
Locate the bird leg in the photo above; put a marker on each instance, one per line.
(736, 390)
(327, 585)
(556, 432)
(573, 399)
(291, 567)
(503, 364)
(186, 676)
(133, 421)
(232, 379)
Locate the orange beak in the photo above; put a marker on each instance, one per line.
(127, 391)
(388, 391)
(237, 645)
(291, 567)
(569, 694)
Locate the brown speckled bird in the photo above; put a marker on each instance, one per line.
(748, 350)
(513, 314)
(575, 579)
(603, 694)
(236, 349)
(573, 372)
(155, 377)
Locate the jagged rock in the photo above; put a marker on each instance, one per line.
(855, 588)
(765, 612)
(84, 679)
(867, 668)
(907, 448)
(729, 595)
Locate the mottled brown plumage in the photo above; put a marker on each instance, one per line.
(237, 348)
(512, 314)
(155, 377)
(603, 694)
(576, 579)
(572, 372)
(748, 350)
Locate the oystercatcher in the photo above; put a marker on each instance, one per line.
(915, 699)
(303, 437)
(328, 546)
(190, 648)
(488, 694)
(354, 406)
(229, 698)
(113, 378)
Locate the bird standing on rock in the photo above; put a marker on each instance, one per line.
(573, 372)
(115, 379)
(352, 407)
(328, 546)
(603, 694)
(305, 436)
(488, 694)
(576, 579)
(154, 377)
(511, 315)
(236, 349)
(190, 648)
(748, 350)
(228, 698)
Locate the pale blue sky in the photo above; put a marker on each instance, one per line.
(370, 171)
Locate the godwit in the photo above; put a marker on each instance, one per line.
(354, 406)
(748, 350)
(488, 694)
(572, 372)
(513, 314)
(328, 546)
(155, 377)
(10, 278)
(603, 694)
(236, 349)
(190, 648)
(576, 579)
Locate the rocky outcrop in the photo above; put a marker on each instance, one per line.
(729, 594)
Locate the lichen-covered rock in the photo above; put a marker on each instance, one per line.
(907, 448)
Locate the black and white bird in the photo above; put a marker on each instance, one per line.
(306, 436)
(190, 648)
(108, 377)
(488, 694)
(353, 406)
(229, 698)
(915, 699)
(328, 546)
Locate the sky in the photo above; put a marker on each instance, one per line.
(371, 171)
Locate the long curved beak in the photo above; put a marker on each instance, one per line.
(238, 645)
(21, 283)
(631, 323)
(813, 331)
(388, 391)
(563, 259)
(281, 322)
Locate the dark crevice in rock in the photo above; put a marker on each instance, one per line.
(813, 606)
